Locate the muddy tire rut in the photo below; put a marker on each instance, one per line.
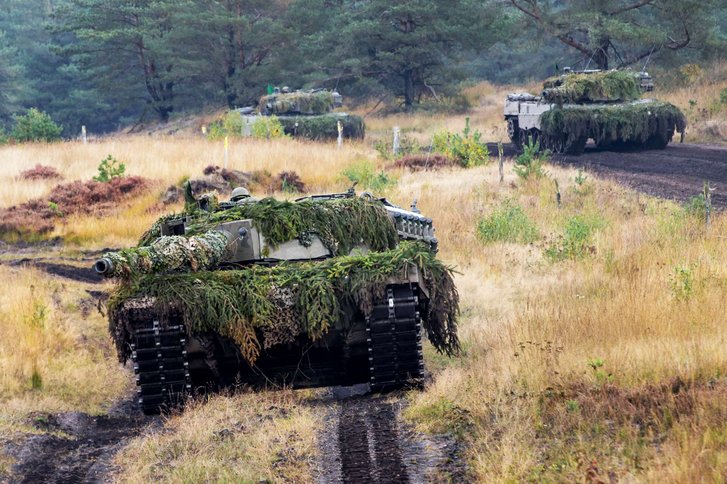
(366, 440)
(75, 447)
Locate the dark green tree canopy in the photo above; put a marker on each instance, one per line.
(618, 33)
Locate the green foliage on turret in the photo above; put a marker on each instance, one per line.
(304, 298)
(592, 87)
(639, 123)
(341, 224)
(299, 102)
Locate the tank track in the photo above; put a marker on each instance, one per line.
(161, 367)
(394, 339)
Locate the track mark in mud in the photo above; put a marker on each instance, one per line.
(677, 172)
(80, 449)
(365, 440)
(66, 271)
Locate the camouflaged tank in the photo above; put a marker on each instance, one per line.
(605, 106)
(331, 289)
(310, 114)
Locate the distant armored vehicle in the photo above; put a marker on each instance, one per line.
(326, 290)
(604, 106)
(310, 114)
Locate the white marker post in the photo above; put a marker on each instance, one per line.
(340, 133)
(83, 134)
(226, 153)
(395, 144)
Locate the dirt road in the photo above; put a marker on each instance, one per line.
(677, 172)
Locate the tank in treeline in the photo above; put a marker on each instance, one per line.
(310, 114)
(605, 106)
(326, 290)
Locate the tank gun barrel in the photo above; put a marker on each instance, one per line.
(104, 266)
(168, 253)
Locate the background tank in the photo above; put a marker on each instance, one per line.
(605, 106)
(327, 290)
(310, 114)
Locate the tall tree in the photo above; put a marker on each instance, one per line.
(126, 45)
(624, 31)
(232, 46)
(404, 47)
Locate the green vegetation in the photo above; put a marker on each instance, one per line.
(529, 163)
(239, 302)
(320, 102)
(232, 124)
(468, 149)
(267, 127)
(577, 239)
(613, 124)
(341, 224)
(365, 175)
(35, 126)
(324, 126)
(507, 223)
(599, 86)
(108, 169)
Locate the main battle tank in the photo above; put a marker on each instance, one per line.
(326, 290)
(310, 114)
(604, 106)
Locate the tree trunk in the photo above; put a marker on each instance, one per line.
(408, 88)
(600, 55)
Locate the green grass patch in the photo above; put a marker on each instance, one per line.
(507, 223)
(577, 239)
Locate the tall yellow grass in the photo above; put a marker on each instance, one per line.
(55, 353)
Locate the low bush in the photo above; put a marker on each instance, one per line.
(507, 223)
(40, 172)
(267, 127)
(467, 148)
(365, 176)
(530, 162)
(34, 126)
(108, 169)
(577, 239)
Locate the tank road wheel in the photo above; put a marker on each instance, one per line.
(659, 141)
(576, 147)
(512, 130)
(556, 144)
(160, 364)
(394, 339)
(522, 139)
(535, 139)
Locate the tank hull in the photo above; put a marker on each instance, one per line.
(382, 348)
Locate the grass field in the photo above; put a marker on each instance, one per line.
(593, 330)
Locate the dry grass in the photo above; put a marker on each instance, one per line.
(565, 363)
(542, 339)
(242, 438)
(171, 160)
(55, 354)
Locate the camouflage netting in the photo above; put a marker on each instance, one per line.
(640, 122)
(288, 299)
(172, 253)
(298, 102)
(592, 87)
(324, 126)
(340, 223)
